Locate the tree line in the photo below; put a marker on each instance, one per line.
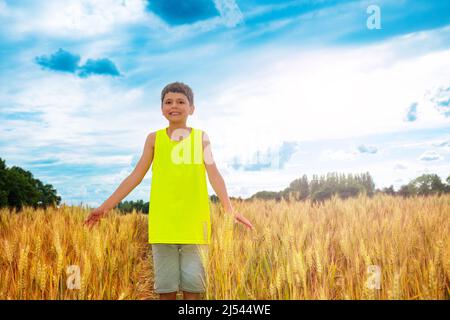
(344, 186)
(18, 188)
(321, 188)
(141, 206)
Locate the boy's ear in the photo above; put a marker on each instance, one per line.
(192, 109)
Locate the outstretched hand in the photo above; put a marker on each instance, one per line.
(94, 217)
(240, 218)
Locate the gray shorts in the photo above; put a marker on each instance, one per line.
(179, 266)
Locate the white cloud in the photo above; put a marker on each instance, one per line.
(77, 18)
(441, 143)
(430, 156)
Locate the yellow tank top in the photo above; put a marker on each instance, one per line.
(179, 210)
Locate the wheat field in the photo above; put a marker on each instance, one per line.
(382, 247)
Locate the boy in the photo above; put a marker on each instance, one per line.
(179, 215)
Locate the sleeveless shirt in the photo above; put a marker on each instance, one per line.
(179, 210)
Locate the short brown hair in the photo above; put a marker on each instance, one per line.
(179, 87)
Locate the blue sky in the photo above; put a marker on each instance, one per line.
(283, 88)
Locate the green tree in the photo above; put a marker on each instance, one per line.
(390, 190)
(368, 184)
(322, 193)
(303, 188)
(18, 188)
(350, 190)
(129, 206)
(266, 195)
(407, 190)
(3, 184)
(428, 184)
(21, 190)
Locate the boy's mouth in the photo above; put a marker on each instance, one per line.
(174, 113)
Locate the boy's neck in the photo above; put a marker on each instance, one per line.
(174, 126)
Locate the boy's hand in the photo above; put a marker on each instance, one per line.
(94, 217)
(240, 218)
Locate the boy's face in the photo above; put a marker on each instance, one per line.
(176, 107)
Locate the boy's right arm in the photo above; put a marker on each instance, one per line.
(129, 183)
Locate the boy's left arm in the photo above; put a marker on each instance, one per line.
(217, 182)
